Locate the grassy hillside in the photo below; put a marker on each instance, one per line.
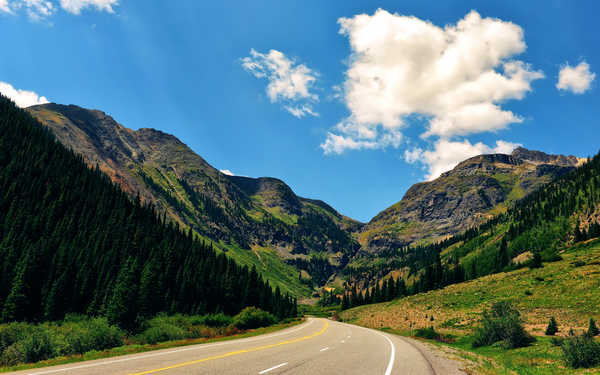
(568, 289)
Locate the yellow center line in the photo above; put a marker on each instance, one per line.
(235, 353)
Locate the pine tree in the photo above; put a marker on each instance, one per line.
(552, 327)
(592, 328)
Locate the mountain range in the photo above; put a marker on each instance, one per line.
(295, 242)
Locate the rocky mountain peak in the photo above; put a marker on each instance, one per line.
(539, 157)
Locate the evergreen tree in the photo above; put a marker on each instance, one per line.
(552, 327)
(592, 328)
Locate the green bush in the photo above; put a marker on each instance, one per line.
(217, 320)
(252, 317)
(37, 346)
(502, 323)
(581, 351)
(162, 333)
(94, 334)
(13, 332)
(427, 333)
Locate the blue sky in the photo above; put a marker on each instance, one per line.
(400, 95)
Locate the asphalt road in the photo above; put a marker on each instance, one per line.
(318, 346)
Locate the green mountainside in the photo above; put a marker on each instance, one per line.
(71, 241)
(257, 222)
(299, 243)
(474, 191)
(536, 229)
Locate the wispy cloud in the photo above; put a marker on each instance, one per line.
(42, 9)
(290, 83)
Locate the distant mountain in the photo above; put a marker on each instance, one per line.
(475, 190)
(258, 220)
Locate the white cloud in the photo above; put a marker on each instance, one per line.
(36, 9)
(290, 83)
(41, 9)
(456, 77)
(4, 6)
(575, 79)
(227, 172)
(22, 98)
(447, 154)
(76, 6)
(356, 136)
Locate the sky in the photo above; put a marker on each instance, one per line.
(350, 102)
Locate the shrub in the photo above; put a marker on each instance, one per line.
(94, 334)
(160, 333)
(427, 333)
(12, 332)
(37, 346)
(581, 351)
(22, 342)
(552, 327)
(252, 317)
(217, 320)
(592, 329)
(557, 341)
(501, 323)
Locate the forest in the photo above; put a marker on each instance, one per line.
(71, 242)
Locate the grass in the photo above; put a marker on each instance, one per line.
(140, 348)
(568, 289)
(271, 267)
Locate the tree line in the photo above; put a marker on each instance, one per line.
(72, 242)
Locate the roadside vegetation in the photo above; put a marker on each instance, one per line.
(561, 295)
(78, 336)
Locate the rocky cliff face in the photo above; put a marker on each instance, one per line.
(474, 190)
(239, 211)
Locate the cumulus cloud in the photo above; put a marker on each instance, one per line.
(41, 9)
(290, 83)
(456, 77)
(227, 172)
(575, 79)
(22, 98)
(447, 154)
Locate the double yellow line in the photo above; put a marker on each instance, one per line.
(189, 363)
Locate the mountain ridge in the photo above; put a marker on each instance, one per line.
(262, 218)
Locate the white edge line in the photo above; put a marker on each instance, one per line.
(273, 368)
(390, 366)
(195, 347)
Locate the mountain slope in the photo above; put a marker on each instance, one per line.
(259, 221)
(472, 192)
(73, 242)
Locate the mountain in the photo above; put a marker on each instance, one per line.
(293, 241)
(259, 222)
(71, 241)
(474, 191)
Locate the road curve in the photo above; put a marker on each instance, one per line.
(318, 346)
